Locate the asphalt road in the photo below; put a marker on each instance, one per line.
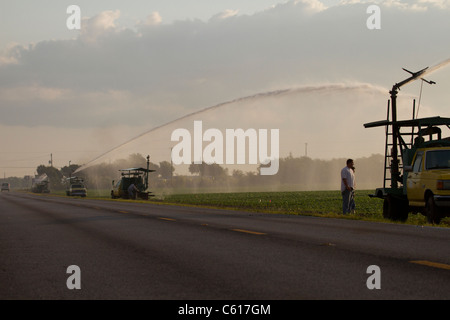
(148, 251)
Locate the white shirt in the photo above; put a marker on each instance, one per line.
(349, 175)
(131, 188)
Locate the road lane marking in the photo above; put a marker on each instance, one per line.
(432, 264)
(123, 211)
(248, 231)
(167, 219)
(328, 244)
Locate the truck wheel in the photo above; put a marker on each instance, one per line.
(387, 207)
(395, 209)
(432, 212)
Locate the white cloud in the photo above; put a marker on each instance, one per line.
(405, 5)
(225, 14)
(34, 93)
(189, 65)
(101, 24)
(5, 59)
(153, 19)
(412, 5)
(442, 4)
(137, 79)
(312, 6)
(11, 54)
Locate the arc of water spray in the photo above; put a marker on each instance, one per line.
(427, 72)
(436, 67)
(173, 121)
(255, 96)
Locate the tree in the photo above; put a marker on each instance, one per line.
(68, 170)
(54, 176)
(208, 170)
(166, 170)
(137, 160)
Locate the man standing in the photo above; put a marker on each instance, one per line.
(132, 191)
(348, 187)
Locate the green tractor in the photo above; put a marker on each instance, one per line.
(40, 184)
(133, 183)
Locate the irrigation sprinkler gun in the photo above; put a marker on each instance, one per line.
(137, 176)
(419, 170)
(395, 162)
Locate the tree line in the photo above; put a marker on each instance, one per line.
(295, 173)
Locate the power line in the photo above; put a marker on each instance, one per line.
(18, 167)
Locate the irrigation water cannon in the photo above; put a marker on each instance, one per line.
(395, 172)
(39, 184)
(138, 177)
(418, 169)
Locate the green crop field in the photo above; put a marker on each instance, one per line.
(314, 203)
(303, 202)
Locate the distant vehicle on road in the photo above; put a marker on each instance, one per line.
(5, 186)
(76, 187)
(39, 184)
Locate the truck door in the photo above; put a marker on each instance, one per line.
(414, 188)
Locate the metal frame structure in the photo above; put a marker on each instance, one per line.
(401, 152)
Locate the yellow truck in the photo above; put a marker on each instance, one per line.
(428, 183)
(424, 186)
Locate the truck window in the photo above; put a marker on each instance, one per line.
(418, 162)
(438, 159)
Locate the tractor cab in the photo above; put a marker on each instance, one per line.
(39, 184)
(132, 176)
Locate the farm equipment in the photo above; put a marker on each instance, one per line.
(417, 163)
(39, 184)
(130, 176)
(75, 187)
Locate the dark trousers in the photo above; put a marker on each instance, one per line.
(348, 201)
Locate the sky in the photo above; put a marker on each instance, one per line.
(312, 69)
